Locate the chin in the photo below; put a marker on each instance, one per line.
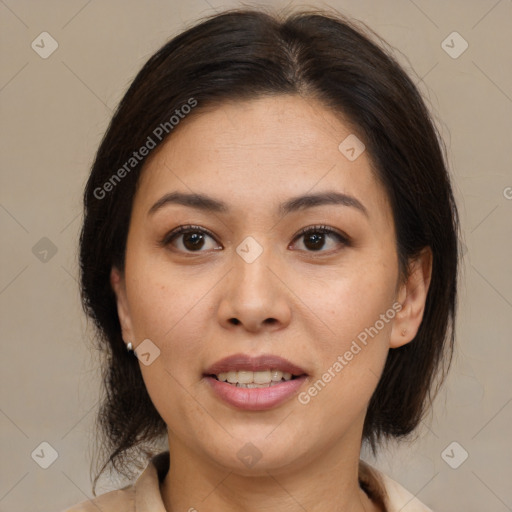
(253, 452)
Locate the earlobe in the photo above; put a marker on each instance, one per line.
(412, 297)
(118, 286)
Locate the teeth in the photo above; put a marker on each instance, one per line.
(231, 377)
(276, 375)
(261, 377)
(245, 377)
(252, 385)
(254, 379)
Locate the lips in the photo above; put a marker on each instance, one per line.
(229, 380)
(244, 362)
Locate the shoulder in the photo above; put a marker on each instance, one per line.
(122, 499)
(389, 493)
(142, 496)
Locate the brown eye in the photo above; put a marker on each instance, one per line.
(314, 241)
(193, 241)
(316, 238)
(193, 238)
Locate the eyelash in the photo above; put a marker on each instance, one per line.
(169, 237)
(325, 230)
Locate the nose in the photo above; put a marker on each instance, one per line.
(254, 296)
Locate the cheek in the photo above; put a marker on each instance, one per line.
(170, 309)
(164, 300)
(350, 300)
(357, 309)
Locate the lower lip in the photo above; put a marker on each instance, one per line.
(256, 399)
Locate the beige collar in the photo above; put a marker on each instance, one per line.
(390, 495)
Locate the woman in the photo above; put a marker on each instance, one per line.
(269, 253)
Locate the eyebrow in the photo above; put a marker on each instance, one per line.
(211, 205)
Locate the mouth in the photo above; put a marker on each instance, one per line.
(251, 380)
(255, 383)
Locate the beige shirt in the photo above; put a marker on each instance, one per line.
(144, 495)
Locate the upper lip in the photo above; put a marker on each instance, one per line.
(246, 362)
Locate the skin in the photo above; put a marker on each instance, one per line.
(253, 155)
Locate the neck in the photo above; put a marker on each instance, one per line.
(327, 482)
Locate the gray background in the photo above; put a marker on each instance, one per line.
(53, 114)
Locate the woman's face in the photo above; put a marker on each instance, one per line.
(244, 282)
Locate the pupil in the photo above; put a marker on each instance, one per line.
(318, 241)
(195, 240)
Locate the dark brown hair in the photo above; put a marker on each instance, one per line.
(244, 54)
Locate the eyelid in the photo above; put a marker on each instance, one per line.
(318, 228)
(322, 228)
(184, 229)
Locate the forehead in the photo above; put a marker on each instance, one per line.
(260, 152)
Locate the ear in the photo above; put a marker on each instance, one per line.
(412, 295)
(118, 285)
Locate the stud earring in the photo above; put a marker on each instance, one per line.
(129, 347)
